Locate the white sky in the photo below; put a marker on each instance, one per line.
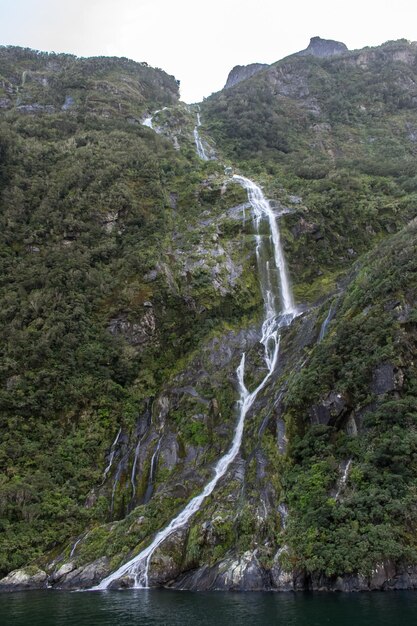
(199, 42)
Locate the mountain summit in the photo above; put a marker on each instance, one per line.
(317, 47)
(322, 48)
(242, 72)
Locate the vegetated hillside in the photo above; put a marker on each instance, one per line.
(130, 291)
(339, 133)
(353, 407)
(105, 284)
(33, 82)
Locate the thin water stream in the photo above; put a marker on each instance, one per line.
(198, 143)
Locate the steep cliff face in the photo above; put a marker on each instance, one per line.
(131, 291)
(323, 48)
(242, 72)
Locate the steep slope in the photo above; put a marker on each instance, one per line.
(339, 135)
(105, 230)
(124, 335)
(242, 72)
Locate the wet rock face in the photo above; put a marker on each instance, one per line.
(240, 573)
(242, 72)
(165, 563)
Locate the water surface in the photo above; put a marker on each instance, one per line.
(151, 608)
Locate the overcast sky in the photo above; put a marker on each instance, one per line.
(199, 42)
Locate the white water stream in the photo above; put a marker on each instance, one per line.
(326, 322)
(198, 143)
(148, 121)
(135, 462)
(341, 484)
(112, 453)
(276, 316)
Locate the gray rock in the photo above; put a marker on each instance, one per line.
(173, 200)
(242, 72)
(36, 108)
(138, 333)
(329, 409)
(281, 579)
(383, 379)
(281, 436)
(63, 571)
(68, 104)
(26, 578)
(85, 576)
(323, 48)
(151, 276)
(238, 573)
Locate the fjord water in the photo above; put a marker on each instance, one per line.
(172, 608)
(279, 311)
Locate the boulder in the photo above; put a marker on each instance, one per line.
(86, 576)
(25, 578)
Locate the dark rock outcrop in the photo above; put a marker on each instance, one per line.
(242, 72)
(323, 48)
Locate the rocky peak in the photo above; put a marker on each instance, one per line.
(242, 72)
(319, 47)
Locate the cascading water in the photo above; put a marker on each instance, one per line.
(154, 463)
(345, 466)
(198, 143)
(148, 121)
(112, 453)
(276, 317)
(135, 462)
(326, 322)
(283, 511)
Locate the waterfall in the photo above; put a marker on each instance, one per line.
(199, 144)
(283, 511)
(148, 121)
(112, 453)
(345, 467)
(276, 317)
(115, 483)
(154, 463)
(262, 209)
(135, 462)
(328, 319)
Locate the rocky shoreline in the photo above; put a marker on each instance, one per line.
(243, 573)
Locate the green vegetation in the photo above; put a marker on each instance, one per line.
(88, 232)
(376, 518)
(129, 290)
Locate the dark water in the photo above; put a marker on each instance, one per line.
(114, 608)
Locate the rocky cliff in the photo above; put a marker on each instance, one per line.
(242, 72)
(323, 48)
